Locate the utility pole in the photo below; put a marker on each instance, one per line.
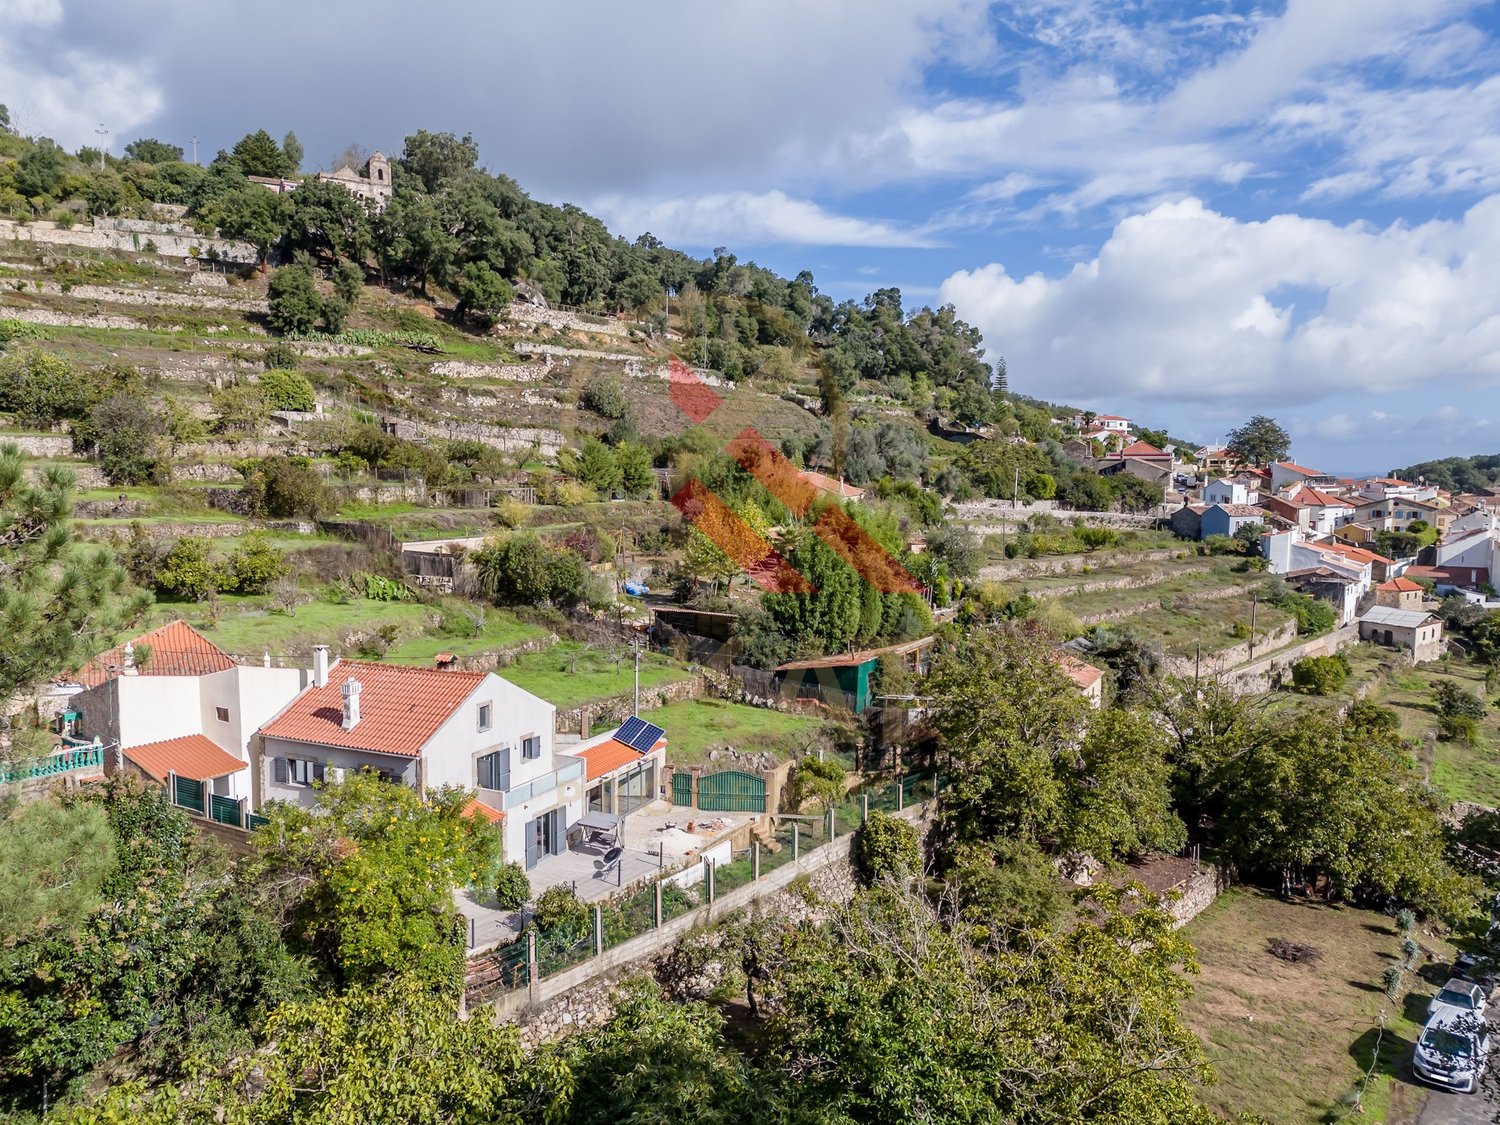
(635, 702)
(195, 152)
(103, 134)
(1253, 600)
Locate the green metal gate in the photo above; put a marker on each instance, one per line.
(226, 810)
(188, 794)
(731, 791)
(682, 788)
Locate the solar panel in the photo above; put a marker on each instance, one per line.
(639, 734)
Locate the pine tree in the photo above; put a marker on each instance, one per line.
(59, 602)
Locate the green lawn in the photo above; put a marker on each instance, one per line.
(247, 628)
(571, 674)
(1178, 630)
(501, 630)
(1288, 1041)
(697, 726)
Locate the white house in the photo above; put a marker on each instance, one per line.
(1286, 473)
(428, 729)
(1389, 488)
(171, 702)
(1289, 554)
(1112, 422)
(1225, 491)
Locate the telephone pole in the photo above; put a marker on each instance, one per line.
(102, 133)
(195, 152)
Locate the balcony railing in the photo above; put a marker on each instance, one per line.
(520, 794)
(63, 761)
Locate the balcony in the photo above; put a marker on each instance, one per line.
(521, 794)
(66, 760)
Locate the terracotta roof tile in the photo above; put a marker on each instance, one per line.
(608, 757)
(1084, 675)
(825, 483)
(1400, 586)
(177, 649)
(1141, 449)
(478, 808)
(400, 708)
(193, 756)
(1296, 468)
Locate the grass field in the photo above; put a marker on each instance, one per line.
(1457, 771)
(1178, 630)
(501, 630)
(1290, 1041)
(697, 726)
(1196, 580)
(247, 628)
(570, 674)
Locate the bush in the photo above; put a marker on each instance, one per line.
(557, 907)
(1320, 675)
(253, 566)
(279, 356)
(572, 493)
(818, 779)
(511, 512)
(885, 846)
(186, 571)
(286, 390)
(604, 396)
(348, 281)
(284, 487)
(294, 302)
(512, 888)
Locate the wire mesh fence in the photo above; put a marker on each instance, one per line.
(736, 874)
(629, 917)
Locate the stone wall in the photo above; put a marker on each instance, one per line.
(99, 236)
(1003, 511)
(1229, 659)
(510, 372)
(84, 476)
(618, 708)
(1013, 569)
(1187, 599)
(520, 312)
(512, 439)
(1194, 895)
(152, 298)
(54, 319)
(109, 509)
(41, 445)
(1267, 673)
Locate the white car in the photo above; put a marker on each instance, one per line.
(1457, 998)
(1452, 1052)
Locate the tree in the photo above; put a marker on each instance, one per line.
(284, 487)
(1117, 795)
(328, 222)
(188, 571)
(818, 779)
(1260, 441)
(58, 604)
(1320, 675)
(605, 397)
(368, 878)
(149, 150)
(348, 281)
(291, 148)
(436, 158)
(885, 847)
(40, 171)
(130, 440)
(54, 861)
(258, 154)
(246, 212)
(483, 296)
(294, 301)
(240, 409)
(42, 390)
(1095, 537)
(636, 475)
(253, 566)
(286, 390)
(1458, 710)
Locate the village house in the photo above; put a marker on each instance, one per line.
(1286, 473)
(1086, 420)
(1389, 488)
(171, 704)
(1400, 593)
(1225, 491)
(1416, 631)
(1399, 513)
(623, 768)
(1187, 521)
(428, 729)
(832, 486)
(1085, 677)
(1215, 459)
(1228, 519)
(1288, 552)
(1452, 579)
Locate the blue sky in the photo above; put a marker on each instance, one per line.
(1185, 212)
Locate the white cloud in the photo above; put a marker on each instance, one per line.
(1182, 304)
(741, 216)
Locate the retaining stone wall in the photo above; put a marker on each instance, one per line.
(41, 445)
(520, 312)
(1195, 895)
(154, 298)
(1192, 598)
(1266, 674)
(1013, 569)
(68, 320)
(511, 372)
(100, 237)
(618, 708)
(1229, 659)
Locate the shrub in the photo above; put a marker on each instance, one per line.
(557, 907)
(511, 512)
(253, 566)
(885, 846)
(1320, 675)
(818, 779)
(284, 487)
(348, 281)
(512, 888)
(604, 396)
(1095, 537)
(279, 356)
(293, 299)
(186, 571)
(286, 390)
(572, 493)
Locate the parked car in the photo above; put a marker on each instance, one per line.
(1457, 998)
(1470, 966)
(1452, 1053)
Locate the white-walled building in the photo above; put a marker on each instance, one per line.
(428, 729)
(1290, 554)
(1224, 491)
(172, 702)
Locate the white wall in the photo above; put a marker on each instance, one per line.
(153, 708)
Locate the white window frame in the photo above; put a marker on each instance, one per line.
(485, 716)
(301, 771)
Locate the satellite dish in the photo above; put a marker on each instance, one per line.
(613, 854)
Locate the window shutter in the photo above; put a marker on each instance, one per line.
(278, 770)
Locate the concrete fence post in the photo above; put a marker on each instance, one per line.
(708, 878)
(900, 793)
(656, 904)
(833, 826)
(598, 929)
(795, 841)
(755, 861)
(864, 807)
(533, 971)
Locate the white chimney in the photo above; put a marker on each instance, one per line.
(350, 692)
(130, 668)
(320, 665)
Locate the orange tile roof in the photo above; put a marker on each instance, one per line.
(1358, 554)
(1400, 586)
(825, 483)
(478, 808)
(1142, 449)
(1084, 675)
(193, 756)
(400, 708)
(177, 649)
(1316, 497)
(1296, 468)
(608, 757)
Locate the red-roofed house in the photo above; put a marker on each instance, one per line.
(428, 729)
(1400, 593)
(160, 699)
(1288, 552)
(1086, 677)
(1284, 473)
(1113, 422)
(832, 486)
(620, 777)
(1145, 451)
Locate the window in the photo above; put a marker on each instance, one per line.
(493, 770)
(304, 771)
(485, 712)
(222, 713)
(531, 747)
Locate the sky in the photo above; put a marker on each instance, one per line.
(1185, 212)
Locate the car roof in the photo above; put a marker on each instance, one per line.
(1456, 984)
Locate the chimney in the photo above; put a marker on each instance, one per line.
(320, 665)
(130, 668)
(350, 692)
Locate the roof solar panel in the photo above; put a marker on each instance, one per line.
(639, 734)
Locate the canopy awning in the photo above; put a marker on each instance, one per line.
(600, 821)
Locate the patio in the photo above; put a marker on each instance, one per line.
(654, 838)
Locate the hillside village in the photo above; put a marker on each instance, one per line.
(659, 597)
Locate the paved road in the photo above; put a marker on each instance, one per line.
(1443, 1108)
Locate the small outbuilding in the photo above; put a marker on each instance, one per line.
(1417, 631)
